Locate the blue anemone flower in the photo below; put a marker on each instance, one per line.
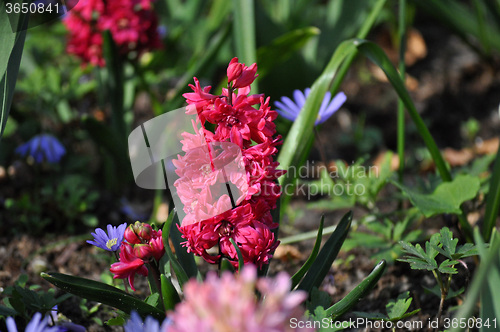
(37, 324)
(290, 109)
(110, 241)
(135, 324)
(42, 147)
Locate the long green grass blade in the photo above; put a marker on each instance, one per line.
(11, 50)
(283, 47)
(492, 200)
(297, 142)
(238, 252)
(358, 292)
(363, 32)
(307, 235)
(181, 275)
(169, 293)
(302, 128)
(402, 73)
(103, 293)
(373, 52)
(114, 85)
(462, 20)
(327, 255)
(244, 33)
(377, 56)
(198, 67)
(185, 259)
(297, 277)
(480, 285)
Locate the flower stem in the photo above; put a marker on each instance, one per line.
(402, 70)
(229, 94)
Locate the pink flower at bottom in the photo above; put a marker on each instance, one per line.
(230, 303)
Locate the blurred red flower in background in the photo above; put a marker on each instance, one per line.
(132, 23)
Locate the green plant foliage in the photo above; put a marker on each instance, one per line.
(297, 277)
(444, 243)
(11, 50)
(446, 198)
(351, 185)
(350, 300)
(97, 291)
(484, 286)
(396, 310)
(384, 236)
(25, 301)
(283, 47)
(493, 200)
(326, 256)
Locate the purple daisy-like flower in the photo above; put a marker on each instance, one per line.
(37, 324)
(110, 241)
(135, 324)
(63, 326)
(42, 147)
(290, 109)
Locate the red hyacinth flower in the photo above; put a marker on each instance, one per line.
(128, 265)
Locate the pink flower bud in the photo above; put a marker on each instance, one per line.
(158, 250)
(247, 76)
(130, 235)
(143, 251)
(144, 231)
(234, 70)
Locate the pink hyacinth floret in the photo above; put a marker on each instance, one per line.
(230, 303)
(132, 23)
(239, 152)
(143, 245)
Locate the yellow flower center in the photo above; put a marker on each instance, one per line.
(111, 243)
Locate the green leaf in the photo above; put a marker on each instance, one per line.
(99, 292)
(447, 266)
(6, 311)
(238, 252)
(153, 299)
(320, 314)
(11, 50)
(244, 33)
(314, 253)
(446, 198)
(301, 130)
(465, 250)
(117, 321)
(397, 310)
(370, 315)
(492, 200)
(169, 293)
(185, 259)
(114, 150)
(327, 255)
(462, 20)
(449, 244)
(114, 85)
(181, 275)
(283, 47)
(436, 290)
(318, 298)
(422, 260)
(357, 293)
